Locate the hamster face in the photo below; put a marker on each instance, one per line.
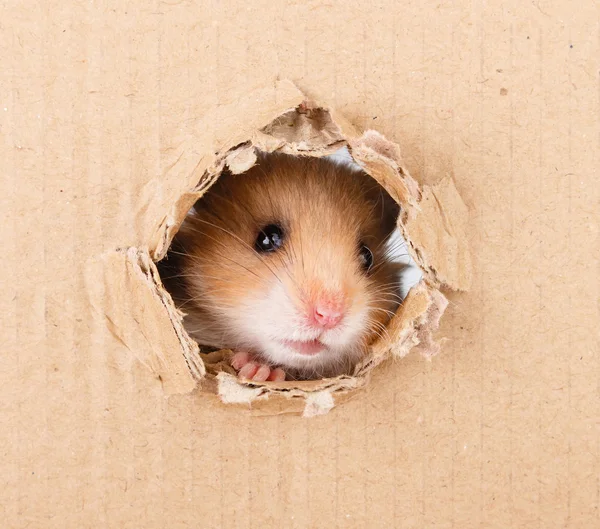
(288, 261)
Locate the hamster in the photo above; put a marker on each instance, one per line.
(287, 265)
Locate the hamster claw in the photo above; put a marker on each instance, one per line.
(250, 369)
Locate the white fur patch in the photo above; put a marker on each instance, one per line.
(398, 253)
(343, 157)
(279, 321)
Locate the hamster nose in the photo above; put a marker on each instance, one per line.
(327, 313)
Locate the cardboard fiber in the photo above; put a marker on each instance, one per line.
(99, 138)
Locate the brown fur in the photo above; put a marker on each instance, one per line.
(325, 210)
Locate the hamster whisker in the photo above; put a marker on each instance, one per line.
(388, 296)
(196, 258)
(224, 230)
(388, 312)
(379, 329)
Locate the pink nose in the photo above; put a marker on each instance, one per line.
(328, 313)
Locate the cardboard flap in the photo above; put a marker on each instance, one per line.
(382, 160)
(433, 221)
(414, 323)
(192, 159)
(437, 233)
(306, 128)
(137, 313)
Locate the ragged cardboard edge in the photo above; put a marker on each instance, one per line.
(413, 326)
(190, 348)
(196, 159)
(437, 236)
(433, 222)
(266, 399)
(318, 403)
(230, 392)
(381, 159)
(124, 290)
(290, 387)
(218, 362)
(426, 345)
(308, 398)
(267, 406)
(307, 129)
(301, 127)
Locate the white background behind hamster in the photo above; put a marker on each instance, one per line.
(411, 274)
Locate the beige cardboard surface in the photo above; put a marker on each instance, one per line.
(99, 101)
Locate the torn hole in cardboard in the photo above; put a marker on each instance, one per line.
(433, 221)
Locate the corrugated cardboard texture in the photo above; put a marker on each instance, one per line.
(501, 430)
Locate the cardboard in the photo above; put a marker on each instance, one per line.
(114, 117)
(307, 129)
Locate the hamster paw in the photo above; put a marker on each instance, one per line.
(249, 368)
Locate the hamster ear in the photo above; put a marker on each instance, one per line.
(391, 211)
(387, 209)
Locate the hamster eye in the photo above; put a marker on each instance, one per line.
(366, 257)
(269, 239)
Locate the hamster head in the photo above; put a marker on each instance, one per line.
(288, 261)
